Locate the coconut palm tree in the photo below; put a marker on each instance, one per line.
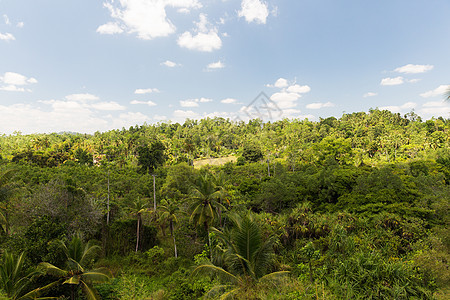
(13, 277)
(247, 257)
(206, 203)
(78, 257)
(170, 211)
(447, 95)
(139, 207)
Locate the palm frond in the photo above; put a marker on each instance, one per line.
(97, 276)
(36, 293)
(274, 276)
(209, 268)
(73, 280)
(52, 270)
(90, 292)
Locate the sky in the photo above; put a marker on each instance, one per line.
(86, 66)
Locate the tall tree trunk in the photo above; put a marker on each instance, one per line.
(173, 236)
(137, 232)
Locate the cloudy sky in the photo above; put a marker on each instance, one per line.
(86, 66)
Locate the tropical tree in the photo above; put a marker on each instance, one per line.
(150, 157)
(79, 255)
(170, 211)
(447, 94)
(206, 203)
(247, 257)
(14, 279)
(139, 207)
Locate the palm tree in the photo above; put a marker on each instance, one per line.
(139, 207)
(13, 277)
(447, 94)
(170, 210)
(78, 257)
(247, 257)
(206, 205)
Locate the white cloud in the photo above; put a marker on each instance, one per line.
(65, 115)
(109, 28)
(206, 40)
(436, 104)
(392, 81)
(7, 37)
(149, 103)
(146, 18)
(16, 79)
(285, 99)
(13, 88)
(370, 94)
(228, 101)
(414, 69)
(125, 120)
(216, 65)
(435, 108)
(169, 64)
(400, 108)
(111, 106)
(319, 105)
(181, 115)
(13, 80)
(189, 103)
(254, 11)
(194, 102)
(281, 83)
(20, 25)
(299, 89)
(146, 91)
(81, 97)
(440, 90)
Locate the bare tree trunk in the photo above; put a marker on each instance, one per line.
(137, 232)
(175, 246)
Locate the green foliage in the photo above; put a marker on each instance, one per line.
(252, 153)
(150, 157)
(39, 241)
(122, 237)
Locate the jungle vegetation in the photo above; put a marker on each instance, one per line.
(348, 208)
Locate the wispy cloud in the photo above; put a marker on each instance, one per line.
(392, 81)
(194, 102)
(414, 69)
(170, 64)
(369, 94)
(149, 103)
(146, 91)
(319, 105)
(215, 66)
(440, 90)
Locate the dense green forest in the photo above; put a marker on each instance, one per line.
(348, 208)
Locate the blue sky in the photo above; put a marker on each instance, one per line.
(89, 66)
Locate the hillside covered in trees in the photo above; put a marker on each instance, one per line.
(348, 208)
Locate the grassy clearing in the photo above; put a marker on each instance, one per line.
(198, 163)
